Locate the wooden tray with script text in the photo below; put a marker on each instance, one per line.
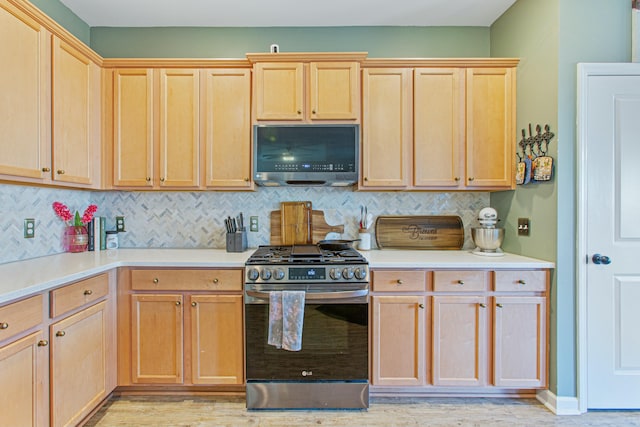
(419, 232)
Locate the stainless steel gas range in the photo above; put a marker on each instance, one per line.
(331, 368)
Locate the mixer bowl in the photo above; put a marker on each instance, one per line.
(487, 239)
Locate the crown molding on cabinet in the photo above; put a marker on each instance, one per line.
(307, 57)
(441, 62)
(175, 63)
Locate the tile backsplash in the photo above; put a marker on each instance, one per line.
(196, 219)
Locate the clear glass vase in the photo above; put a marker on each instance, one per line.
(76, 238)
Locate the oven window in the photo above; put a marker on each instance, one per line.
(334, 345)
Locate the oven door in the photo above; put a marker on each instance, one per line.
(334, 340)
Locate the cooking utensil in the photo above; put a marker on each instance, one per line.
(319, 227)
(527, 158)
(521, 168)
(420, 232)
(336, 244)
(543, 164)
(295, 222)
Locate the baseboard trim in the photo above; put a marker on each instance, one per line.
(559, 405)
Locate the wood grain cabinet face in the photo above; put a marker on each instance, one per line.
(23, 401)
(227, 119)
(25, 147)
(78, 364)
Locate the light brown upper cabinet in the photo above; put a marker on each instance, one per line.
(438, 128)
(76, 101)
(307, 87)
(227, 121)
(25, 54)
(156, 135)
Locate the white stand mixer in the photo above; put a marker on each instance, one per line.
(487, 238)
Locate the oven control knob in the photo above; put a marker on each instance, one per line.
(265, 274)
(278, 274)
(360, 273)
(335, 274)
(347, 273)
(253, 274)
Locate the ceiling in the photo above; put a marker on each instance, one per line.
(287, 13)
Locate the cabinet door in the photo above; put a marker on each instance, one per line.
(438, 117)
(25, 111)
(459, 341)
(398, 340)
(133, 128)
(23, 401)
(491, 139)
(179, 128)
(217, 339)
(520, 351)
(78, 365)
(279, 90)
(75, 114)
(156, 335)
(386, 127)
(228, 128)
(334, 90)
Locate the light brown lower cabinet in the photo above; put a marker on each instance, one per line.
(463, 330)
(23, 370)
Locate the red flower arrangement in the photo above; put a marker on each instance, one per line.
(65, 214)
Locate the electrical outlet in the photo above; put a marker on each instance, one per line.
(253, 223)
(524, 226)
(29, 228)
(120, 224)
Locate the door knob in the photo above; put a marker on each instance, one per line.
(600, 259)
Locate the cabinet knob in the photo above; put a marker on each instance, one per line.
(471, 178)
(399, 281)
(60, 171)
(4, 325)
(88, 292)
(148, 179)
(499, 305)
(313, 111)
(420, 305)
(43, 343)
(162, 179)
(61, 333)
(156, 280)
(46, 169)
(178, 303)
(460, 282)
(366, 179)
(483, 305)
(193, 304)
(456, 179)
(246, 179)
(299, 112)
(522, 282)
(215, 280)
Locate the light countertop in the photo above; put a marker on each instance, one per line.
(22, 278)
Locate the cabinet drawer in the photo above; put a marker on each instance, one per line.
(459, 281)
(78, 294)
(524, 281)
(187, 280)
(399, 281)
(20, 316)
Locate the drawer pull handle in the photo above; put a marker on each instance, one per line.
(4, 325)
(88, 292)
(46, 169)
(43, 343)
(215, 280)
(193, 304)
(400, 282)
(522, 282)
(61, 333)
(499, 305)
(460, 282)
(60, 171)
(483, 305)
(420, 305)
(156, 280)
(178, 303)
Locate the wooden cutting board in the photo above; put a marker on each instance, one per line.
(319, 227)
(295, 223)
(419, 232)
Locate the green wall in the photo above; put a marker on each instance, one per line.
(65, 17)
(551, 37)
(380, 42)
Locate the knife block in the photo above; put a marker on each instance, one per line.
(237, 242)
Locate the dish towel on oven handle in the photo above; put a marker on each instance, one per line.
(286, 316)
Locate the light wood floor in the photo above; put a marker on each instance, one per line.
(141, 411)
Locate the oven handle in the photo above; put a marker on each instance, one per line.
(317, 296)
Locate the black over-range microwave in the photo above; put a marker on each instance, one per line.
(306, 155)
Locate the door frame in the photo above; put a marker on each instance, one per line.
(585, 71)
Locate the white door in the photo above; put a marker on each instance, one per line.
(609, 230)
